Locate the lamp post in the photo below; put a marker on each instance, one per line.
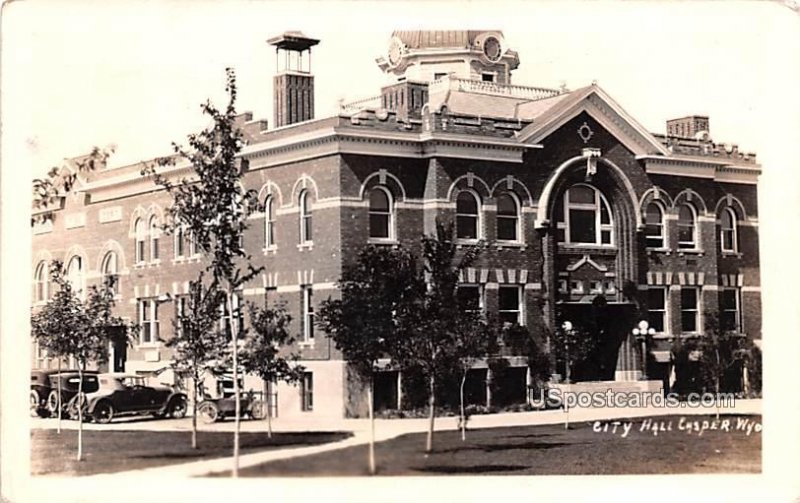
(642, 330)
(567, 328)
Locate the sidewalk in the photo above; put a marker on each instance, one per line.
(386, 429)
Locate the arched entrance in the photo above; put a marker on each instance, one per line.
(590, 217)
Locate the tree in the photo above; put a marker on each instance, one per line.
(213, 206)
(60, 180)
(721, 352)
(261, 354)
(78, 328)
(474, 338)
(378, 292)
(197, 343)
(431, 335)
(571, 345)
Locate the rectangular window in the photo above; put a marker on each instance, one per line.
(308, 313)
(487, 77)
(148, 320)
(181, 310)
(657, 307)
(470, 298)
(729, 313)
(307, 392)
(180, 243)
(225, 321)
(582, 226)
(140, 244)
(510, 304)
(690, 310)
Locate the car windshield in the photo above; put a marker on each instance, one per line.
(131, 381)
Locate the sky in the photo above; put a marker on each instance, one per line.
(79, 74)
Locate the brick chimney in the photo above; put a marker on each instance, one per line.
(293, 99)
(693, 126)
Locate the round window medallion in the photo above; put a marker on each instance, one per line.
(585, 132)
(492, 48)
(395, 50)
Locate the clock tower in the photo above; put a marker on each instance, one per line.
(293, 84)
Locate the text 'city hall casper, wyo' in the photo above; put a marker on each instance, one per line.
(577, 200)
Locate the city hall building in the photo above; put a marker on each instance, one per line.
(580, 205)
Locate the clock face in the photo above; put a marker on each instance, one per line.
(491, 48)
(395, 51)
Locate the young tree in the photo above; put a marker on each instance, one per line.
(261, 354)
(82, 327)
(213, 206)
(431, 335)
(196, 341)
(377, 293)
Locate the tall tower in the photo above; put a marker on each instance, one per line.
(293, 83)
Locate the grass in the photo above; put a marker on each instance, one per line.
(543, 450)
(114, 451)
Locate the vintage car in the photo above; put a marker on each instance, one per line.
(128, 394)
(44, 389)
(216, 409)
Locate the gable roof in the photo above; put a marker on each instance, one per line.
(548, 117)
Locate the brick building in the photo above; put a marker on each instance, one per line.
(578, 201)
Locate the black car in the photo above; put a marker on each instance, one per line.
(44, 389)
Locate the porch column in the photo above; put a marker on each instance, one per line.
(488, 387)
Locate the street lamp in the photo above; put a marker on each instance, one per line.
(642, 330)
(567, 328)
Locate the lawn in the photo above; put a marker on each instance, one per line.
(548, 450)
(114, 451)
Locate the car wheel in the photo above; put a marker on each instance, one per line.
(72, 407)
(103, 412)
(177, 408)
(34, 403)
(258, 410)
(208, 412)
(52, 403)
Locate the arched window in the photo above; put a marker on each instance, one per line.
(585, 217)
(305, 217)
(269, 222)
(155, 234)
(687, 227)
(180, 241)
(110, 270)
(75, 274)
(40, 281)
(507, 218)
(654, 226)
(728, 231)
(140, 231)
(381, 214)
(467, 215)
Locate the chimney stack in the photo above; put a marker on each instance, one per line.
(693, 126)
(293, 99)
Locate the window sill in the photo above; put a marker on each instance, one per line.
(308, 245)
(150, 345)
(665, 251)
(731, 254)
(306, 344)
(382, 241)
(696, 251)
(269, 250)
(510, 244)
(461, 242)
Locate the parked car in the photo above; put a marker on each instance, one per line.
(216, 409)
(128, 394)
(44, 389)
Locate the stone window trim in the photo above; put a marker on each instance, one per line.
(519, 240)
(471, 229)
(603, 223)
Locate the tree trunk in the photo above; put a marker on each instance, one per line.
(58, 399)
(268, 405)
(431, 413)
(79, 404)
(237, 398)
(371, 396)
(194, 411)
(463, 415)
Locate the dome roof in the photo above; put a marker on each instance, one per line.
(423, 39)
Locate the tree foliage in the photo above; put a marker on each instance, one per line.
(60, 180)
(261, 354)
